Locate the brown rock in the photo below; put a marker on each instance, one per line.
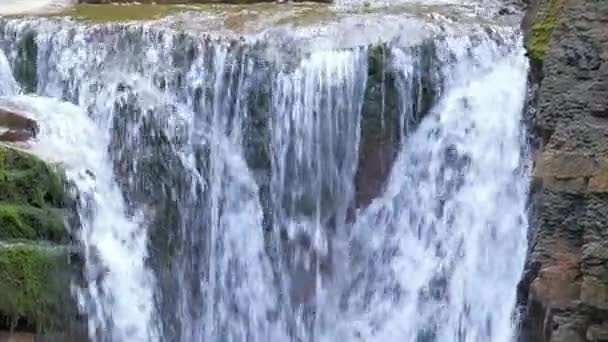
(594, 291)
(567, 165)
(16, 337)
(595, 258)
(599, 182)
(16, 127)
(373, 171)
(556, 284)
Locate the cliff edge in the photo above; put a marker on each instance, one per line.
(565, 286)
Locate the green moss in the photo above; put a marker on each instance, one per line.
(131, 12)
(542, 28)
(29, 223)
(28, 287)
(33, 278)
(26, 180)
(105, 13)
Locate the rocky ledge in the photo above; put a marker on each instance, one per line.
(565, 287)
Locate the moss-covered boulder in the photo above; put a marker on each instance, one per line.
(23, 222)
(26, 180)
(30, 290)
(34, 251)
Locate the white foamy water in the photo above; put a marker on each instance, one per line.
(118, 288)
(315, 138)
(8, 85)
(444, 246)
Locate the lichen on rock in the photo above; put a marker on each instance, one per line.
(544, 22)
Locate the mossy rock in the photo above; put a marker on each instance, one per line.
(34, 287)
(27, 180)
(34, 274)
(20, 222)
(541, 28)
(26, 64)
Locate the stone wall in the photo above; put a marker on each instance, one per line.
(565, 287)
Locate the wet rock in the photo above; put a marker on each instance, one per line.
(597, 333)
(16, 127)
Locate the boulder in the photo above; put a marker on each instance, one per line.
(16, 127)
(35, 250)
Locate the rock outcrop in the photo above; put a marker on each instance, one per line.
(565, 287)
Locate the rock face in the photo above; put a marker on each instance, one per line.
(566, 283)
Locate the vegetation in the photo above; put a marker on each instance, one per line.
(26, 180)
(33, 281)
(105, 13)
(542, 28)
(19, 222)
(29, 287)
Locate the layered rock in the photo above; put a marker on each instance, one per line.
(566, 285)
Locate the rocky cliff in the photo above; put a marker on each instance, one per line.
(565, 287)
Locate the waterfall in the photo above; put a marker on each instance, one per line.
(217, 180)
(120, 288)
(118, 296)
(315, 137)
(8, 85)
(440, 247)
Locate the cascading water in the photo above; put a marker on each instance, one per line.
(218, 181)
(439, 248)
(109, 237)
(8, 85)
(315, 138)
